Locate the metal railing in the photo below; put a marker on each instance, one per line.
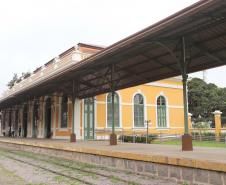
(139, 136)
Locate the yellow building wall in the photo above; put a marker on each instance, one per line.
(63, 132)
(170, 89)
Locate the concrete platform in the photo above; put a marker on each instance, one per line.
(201, 158)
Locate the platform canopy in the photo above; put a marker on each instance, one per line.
(148, 55)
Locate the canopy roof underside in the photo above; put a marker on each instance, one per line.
(149, 55)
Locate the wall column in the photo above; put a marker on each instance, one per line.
(77, 118)
(3, 122)
(189, 123)
(217, 118)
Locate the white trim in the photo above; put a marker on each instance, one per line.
(151, 105)
(163, 128)
(100, 127)
(83, 115)
(176, 127)
(145, 108)
(120, 111)
(157, 84)
(99, 102)
(61, 137)
(102, 137)
(167, 111)
(63, 129)
(176, 106)
(176, 78)
(95, 116)
(129, 104)
(77, 118)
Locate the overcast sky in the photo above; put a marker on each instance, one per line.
(34, 31)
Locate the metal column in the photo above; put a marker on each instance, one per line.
(113, 136)
(113, 110)
(186, 138)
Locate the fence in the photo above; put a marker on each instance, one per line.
(140, 136)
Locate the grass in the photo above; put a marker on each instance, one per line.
(10, 177)
(71, 165)
(195, 143)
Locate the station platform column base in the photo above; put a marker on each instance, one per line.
(113, 139)
(72, 138)
(187, 142)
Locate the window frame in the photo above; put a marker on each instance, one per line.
(160, 126)
(64, 104)
(143, 105)
(119, 111)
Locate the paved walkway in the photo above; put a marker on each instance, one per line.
(201, 157)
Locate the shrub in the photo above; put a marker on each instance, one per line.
(201, 125)
(137, 139)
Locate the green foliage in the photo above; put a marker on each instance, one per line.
(17, 79)
(223, 120)
(138, 139)
(201, 124)
(203, 134)
(26, 75)
(13, 81)
(203, 99)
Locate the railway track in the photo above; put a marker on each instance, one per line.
(68, 167)
(52, 171)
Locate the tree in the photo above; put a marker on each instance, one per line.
(13, 81)
(205, 98)
(17, 79)
(26, 75)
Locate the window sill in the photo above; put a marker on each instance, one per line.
(116, 128)
(139, 128)
(162, 128)
(63, 129)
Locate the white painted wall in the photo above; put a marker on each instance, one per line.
(77, 118)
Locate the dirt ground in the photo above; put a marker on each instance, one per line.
(26, 168)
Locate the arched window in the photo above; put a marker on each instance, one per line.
(138, 110)
(109, 110)
(64, 111)
(161, 111)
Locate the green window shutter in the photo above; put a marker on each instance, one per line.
(109, 110)
(161, 112)
(138, 111)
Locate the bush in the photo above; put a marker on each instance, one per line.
(138, 139)
(201, 125)
(223, 120)
(204, 134)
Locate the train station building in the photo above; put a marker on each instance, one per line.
(138, 72)
(50, 115)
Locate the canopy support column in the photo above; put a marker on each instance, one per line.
(186, 138)
(113, 136)
(73, 135)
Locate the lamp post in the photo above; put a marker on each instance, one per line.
(147, 126)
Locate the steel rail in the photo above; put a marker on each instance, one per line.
(52, 171)
(72, 168)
